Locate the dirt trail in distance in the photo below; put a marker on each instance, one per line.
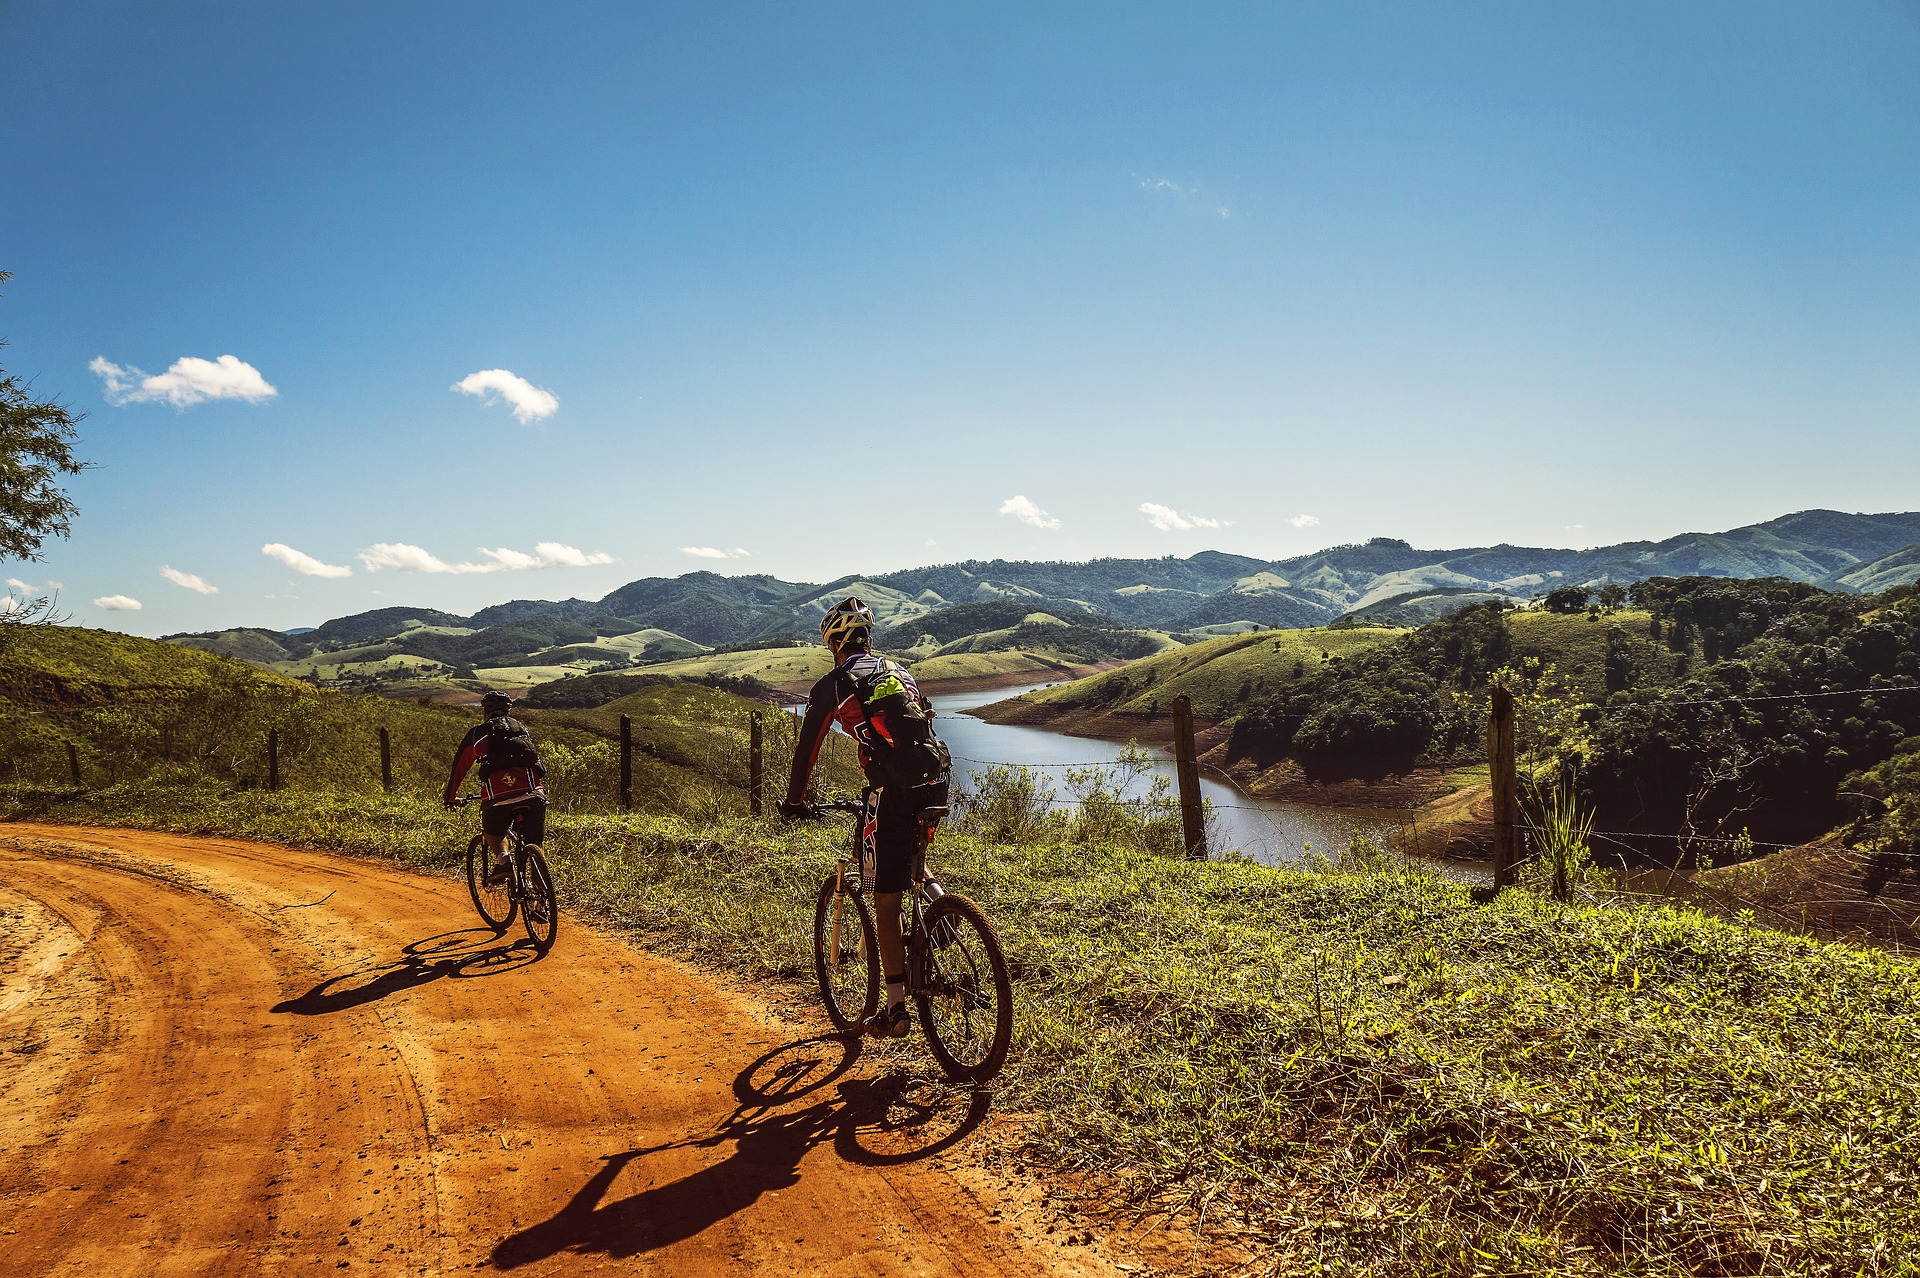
(220, 1057)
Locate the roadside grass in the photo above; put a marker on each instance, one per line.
(1353, 1072)
(1217, 675)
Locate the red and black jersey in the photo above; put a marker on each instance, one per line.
(509, 766)
(836, 698)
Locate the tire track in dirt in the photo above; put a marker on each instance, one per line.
(200, 1079)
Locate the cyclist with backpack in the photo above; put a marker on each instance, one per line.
(877, 703)
(511, 794)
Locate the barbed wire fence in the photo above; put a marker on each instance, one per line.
(738, 757)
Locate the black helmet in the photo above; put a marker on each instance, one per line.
(495, 703)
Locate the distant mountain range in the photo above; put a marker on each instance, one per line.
(1203, 591)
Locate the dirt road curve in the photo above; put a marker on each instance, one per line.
(202, 1071)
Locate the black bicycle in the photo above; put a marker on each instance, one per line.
(527, 891)
(956, 969)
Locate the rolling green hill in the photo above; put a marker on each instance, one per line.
(1900, 568)
(1217, 675)
(967, 608)
(138, 708)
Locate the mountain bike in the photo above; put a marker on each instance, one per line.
(956, 969)
(527, 891)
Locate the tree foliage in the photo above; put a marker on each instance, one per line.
(36, 450)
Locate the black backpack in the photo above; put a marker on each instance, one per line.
(510, 745)
(916, 757)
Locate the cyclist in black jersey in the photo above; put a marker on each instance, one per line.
(878, 704)
(512, 795)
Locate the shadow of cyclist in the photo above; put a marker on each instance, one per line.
(433, 958)
(875, 1122)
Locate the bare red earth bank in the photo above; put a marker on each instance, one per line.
(231, 1058)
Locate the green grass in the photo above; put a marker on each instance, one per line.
(1212, 673)
(1576, 645)
(1365, 1070)
(768, 665)
(134, 708)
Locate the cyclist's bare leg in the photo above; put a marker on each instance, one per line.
(893, 950)
(497, 845)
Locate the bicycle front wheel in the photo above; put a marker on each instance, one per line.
(539, 908)
(846, 956)
(495, 903)
(966, 999)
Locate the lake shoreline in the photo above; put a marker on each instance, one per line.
(1284, 780)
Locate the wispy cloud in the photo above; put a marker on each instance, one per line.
(188, 381)
(1167, 519)
(529, 403)
(1304, 521)
(1170, 189)
(1028, 513)
(188, 581)
(714, 552)
(117, 603)
(404, 557)
(304, 564)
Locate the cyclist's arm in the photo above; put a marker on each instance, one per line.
(471, 748)
(806, 751)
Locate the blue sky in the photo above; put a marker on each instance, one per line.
(831, 284)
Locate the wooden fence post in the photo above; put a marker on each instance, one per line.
(755, 761)
(386, 760)
(73, 764)
(273, 758)
(626, 764)
(1186, 766)
(1506, 787)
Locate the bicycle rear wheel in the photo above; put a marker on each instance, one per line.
(496, 904)
(846, 956)
(966, 997)
(539, 908)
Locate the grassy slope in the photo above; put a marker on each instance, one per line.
(1378, 1076)
(135, 707)
(1576, 645)
(1211, 672)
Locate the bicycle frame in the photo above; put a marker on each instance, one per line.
(922, 888)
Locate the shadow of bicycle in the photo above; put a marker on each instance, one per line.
(461, 955)
(874, 1122)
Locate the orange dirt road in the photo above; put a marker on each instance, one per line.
(220, 1057)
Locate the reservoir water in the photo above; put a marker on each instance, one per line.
(1271, 831)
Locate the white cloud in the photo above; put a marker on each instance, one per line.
(188, 381)
(1167, 519)
(305, 565)
(18, 584)
(1304, 521)
(714, 552)
(117, 603)
(528, 401)
(188, 581)
(1160, 185)
(1028, 513)
(1225, 212)
(403, 557)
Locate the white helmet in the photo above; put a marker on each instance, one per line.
(850, 619)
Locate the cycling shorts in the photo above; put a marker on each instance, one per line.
(528, 818)
(900, 835)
